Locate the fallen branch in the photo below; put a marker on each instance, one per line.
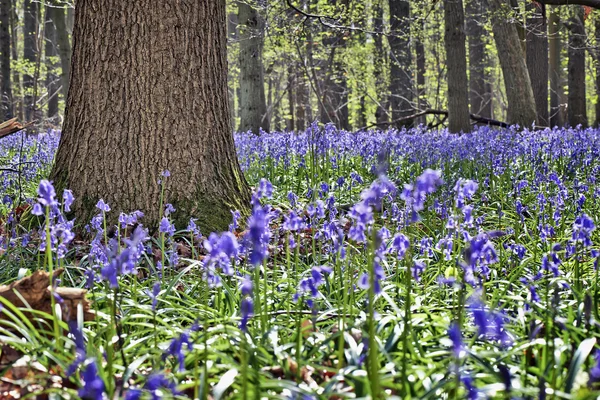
(476, 118)
(11, 126)
(35, 291)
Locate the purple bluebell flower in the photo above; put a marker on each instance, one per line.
(582, 229)
(166, 227)
(102, 206)
(156, 382)
(169, 209)
(456, 339)
(47, 194)
(68, 199)
(93, 386)
(175, 349)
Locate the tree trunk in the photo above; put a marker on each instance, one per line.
(51, 53)
(30, 53)
(597, 26)
(576, 109)
(253, 106)
(17, 84)
(380, 66)
(302, 98)
(555, 70)
(149, 94)
(291, 99)
(5, 85)
(63, 45)
(480, 97)
(521, 103)
(456, 59)
(421, 71)
(400, 63)
(537, 59)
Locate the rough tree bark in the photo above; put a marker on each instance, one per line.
(537, 59)
(253, 106)
(576, 109)
(555, 70)
(456, 59)
(521, 103)
(5, 85)
(480, 97)
(30, 52)
(50, 52)
(401, 91)
(148, 94)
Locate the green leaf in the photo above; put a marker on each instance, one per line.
(579, 357)
(224, 383)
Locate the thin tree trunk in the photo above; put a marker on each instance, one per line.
(125, 123)
(521, 103)
(380, 66)
(5, 85)
(30, 53)
(63, 45)
(421, 71)
(253, 106)
(50, 53)
(555, 70)
(291, 99)
(401, 92)
(537, 59)
(479, 96)
(576, 109)
(302, 98)
(17, 84)
(597, 27)
(456, 59)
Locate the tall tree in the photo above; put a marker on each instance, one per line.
(421, 71)
(401, 95)
(456, 59)
(125, 123)
(5, 84)
(50, 54)
(576, 109)
(30, 53)
(537, 59)
(480, 97)
(555, 70)
(253, 105)
(597, 28)
(63, 45)
(380, 60)
(521, 103)
(16, 82)
(334, 85)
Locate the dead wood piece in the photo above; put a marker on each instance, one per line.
(11, 126)
(35, 290)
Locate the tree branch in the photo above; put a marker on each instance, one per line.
(474, 117)
(589, 3)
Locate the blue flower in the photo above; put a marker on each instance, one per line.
(68, 199)
(166, 227)
(47, 194)
(93, 386)
(456, 339)
(102, 206)
(176, 349)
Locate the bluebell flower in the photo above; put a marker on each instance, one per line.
(166, 227)
(47, 194)
(582, 229)
(175, 348)
(156, 382)
(456, 339)
(102, 206)
(169, 209)
(68, 199)
(93, 386)
(133, 394)
(293, 223)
